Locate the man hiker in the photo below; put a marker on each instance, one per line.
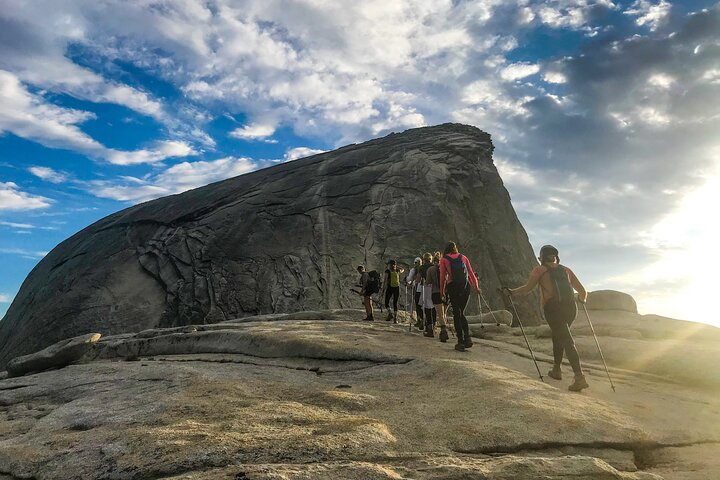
(557, 284)
(433, 279)
(392, 288)
(456, 278)
(366, 288)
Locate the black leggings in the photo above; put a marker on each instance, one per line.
(418, 308)
(458, 299)
(393, 292)
(560, 317)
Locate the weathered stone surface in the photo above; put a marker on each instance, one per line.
(283, 239)
(611, 300)
(57, 355)
(312, 399)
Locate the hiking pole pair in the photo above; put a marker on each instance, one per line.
(598, 345)
(532, 354)
(480, 296)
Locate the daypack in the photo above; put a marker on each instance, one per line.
(564, 291)
(373, 284)
(458, 272)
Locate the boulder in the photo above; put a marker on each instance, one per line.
(282, 239)
(502, 317)
(611, 300)
(57, 355)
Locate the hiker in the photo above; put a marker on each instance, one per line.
(392, 288)
(557, 283)
(365, 285)
(456, 278)
(413, 279)
(433, 279)
(426, 297)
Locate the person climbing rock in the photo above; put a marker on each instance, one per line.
(433, 279)
(456, 278)
(413, 280)
(366, 288)
(557, 285)
(392, 288)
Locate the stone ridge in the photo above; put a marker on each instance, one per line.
(281, 239)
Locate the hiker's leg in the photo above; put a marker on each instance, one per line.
(395, 297)
(457, 313)
(388, 294)
(557, 328)
(418, 307)
(559, 318)
(464, 297)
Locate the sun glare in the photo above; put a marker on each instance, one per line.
(681, 284)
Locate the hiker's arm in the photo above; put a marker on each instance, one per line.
(527, 288)
(471, 275)
(443, 272)
(582, 293)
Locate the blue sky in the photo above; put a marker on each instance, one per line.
(604, 115)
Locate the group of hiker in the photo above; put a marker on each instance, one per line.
(442, 280)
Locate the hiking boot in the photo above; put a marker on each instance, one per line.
(428, 333)
(420, 325)
(369, 318)
(555, 373)
(389, 317)
(578, 384)
(459, 347)
(468, 343)
(443, 335)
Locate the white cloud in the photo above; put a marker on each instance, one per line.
(23, 253)
(25, 227)
(255, 131)
(661, 81)
(157, 153)
(516, 71)
(12, 198)
(554, 77)
(301, 152)
(176, 179)
(48, 174)
(5, 298)
(649, 13)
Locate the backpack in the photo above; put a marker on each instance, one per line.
(458, 272)
(564, 291)
(373, 284)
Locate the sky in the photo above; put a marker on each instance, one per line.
(605, 115)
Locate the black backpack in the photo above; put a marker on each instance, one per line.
(564, 292)
(373, 284)
(458, 272)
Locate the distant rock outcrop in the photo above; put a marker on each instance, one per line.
(282, 239)
(57, 355)
(611, 300)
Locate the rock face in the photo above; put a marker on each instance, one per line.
(282, 239)
(57, 355)
(611, 300)
(321, 395)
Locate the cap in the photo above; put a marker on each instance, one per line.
(391, 262)
(418, 259)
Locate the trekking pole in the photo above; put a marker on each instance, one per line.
(522, 329)
(598, 345)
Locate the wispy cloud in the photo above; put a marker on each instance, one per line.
(24, 253)
(14, 199)
(23, 227)
(5, 298)
(49, 175)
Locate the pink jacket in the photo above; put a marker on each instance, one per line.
(445, 270)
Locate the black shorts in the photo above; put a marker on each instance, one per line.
(436, 298)
(367, 292)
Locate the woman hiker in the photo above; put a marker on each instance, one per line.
(426, 298)
(456, 278)
(433, 279)
(557, 283)
(392, 288)
(413, 279)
